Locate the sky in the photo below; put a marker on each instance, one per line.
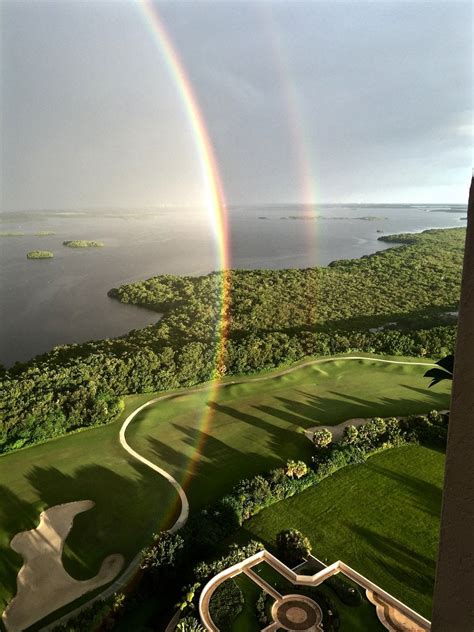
(305, 102)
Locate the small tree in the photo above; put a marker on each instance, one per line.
(292, 546)
(296, 469)
(187, 598)
(350, 434)
(322, 438)
(378, 425)
(163, 555)
(189, 624)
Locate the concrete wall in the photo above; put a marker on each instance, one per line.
(453, 606)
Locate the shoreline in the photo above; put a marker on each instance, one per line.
(383, 241)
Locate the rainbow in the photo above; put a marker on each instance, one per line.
(299, 135)
(216, 208)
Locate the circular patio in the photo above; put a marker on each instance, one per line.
(297, 613)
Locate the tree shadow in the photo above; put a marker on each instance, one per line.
(128, 509)
(212, 466)
(428, 495)
(327, 410)
(284, 415)
(16, 515)
(407, 566)
(283, 442)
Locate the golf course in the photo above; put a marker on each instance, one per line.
(210, 437)
(380, 518)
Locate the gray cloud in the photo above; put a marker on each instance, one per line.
(381, 94)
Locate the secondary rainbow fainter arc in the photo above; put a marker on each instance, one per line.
(297, 124)
(215, 204)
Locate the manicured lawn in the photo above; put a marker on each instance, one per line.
(246, 621)
(131, 501)
(381, 518)
(210, 440)
(207, 440)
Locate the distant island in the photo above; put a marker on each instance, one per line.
(82, 243)
(367, 218)
(444, 209)
(10, 234)
(44, 233)
(40, 254)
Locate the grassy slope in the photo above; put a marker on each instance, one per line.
(381, 518)
(252, 429)
(131, 500)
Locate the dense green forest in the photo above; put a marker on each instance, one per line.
(395, 302)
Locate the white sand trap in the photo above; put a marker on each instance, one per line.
(43, 585)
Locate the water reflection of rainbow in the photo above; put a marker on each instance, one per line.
(216, 208)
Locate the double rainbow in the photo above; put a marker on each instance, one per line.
(214, 194)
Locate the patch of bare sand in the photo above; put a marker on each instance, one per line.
(43, 585)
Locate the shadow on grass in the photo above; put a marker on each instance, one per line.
(127, 510)
(408, 567)
(333, 410)
(428, 495)
(212, 466)
(15, 515)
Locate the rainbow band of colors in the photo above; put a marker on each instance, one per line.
(215, 204)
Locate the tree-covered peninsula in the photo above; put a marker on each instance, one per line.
(396, 302)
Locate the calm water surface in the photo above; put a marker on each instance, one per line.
(45, 303)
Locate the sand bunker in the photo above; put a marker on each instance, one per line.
(43, 585)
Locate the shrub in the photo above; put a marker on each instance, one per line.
(350, 435)
(322, 438)
(226, 603)
(296, 469)
(162, 557)
(207, 569)
(189, 624)
(261, 609)
(347, 591)
(188, 595)
(292, 546)
(89, 619)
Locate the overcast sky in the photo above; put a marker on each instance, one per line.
(367, 101)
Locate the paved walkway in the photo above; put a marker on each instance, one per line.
(391, 611)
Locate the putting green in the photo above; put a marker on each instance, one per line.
(253, 426)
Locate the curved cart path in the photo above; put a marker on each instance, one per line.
(121, 581)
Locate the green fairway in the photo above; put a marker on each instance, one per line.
(381, 518)
(208, 440)
(131, 501)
